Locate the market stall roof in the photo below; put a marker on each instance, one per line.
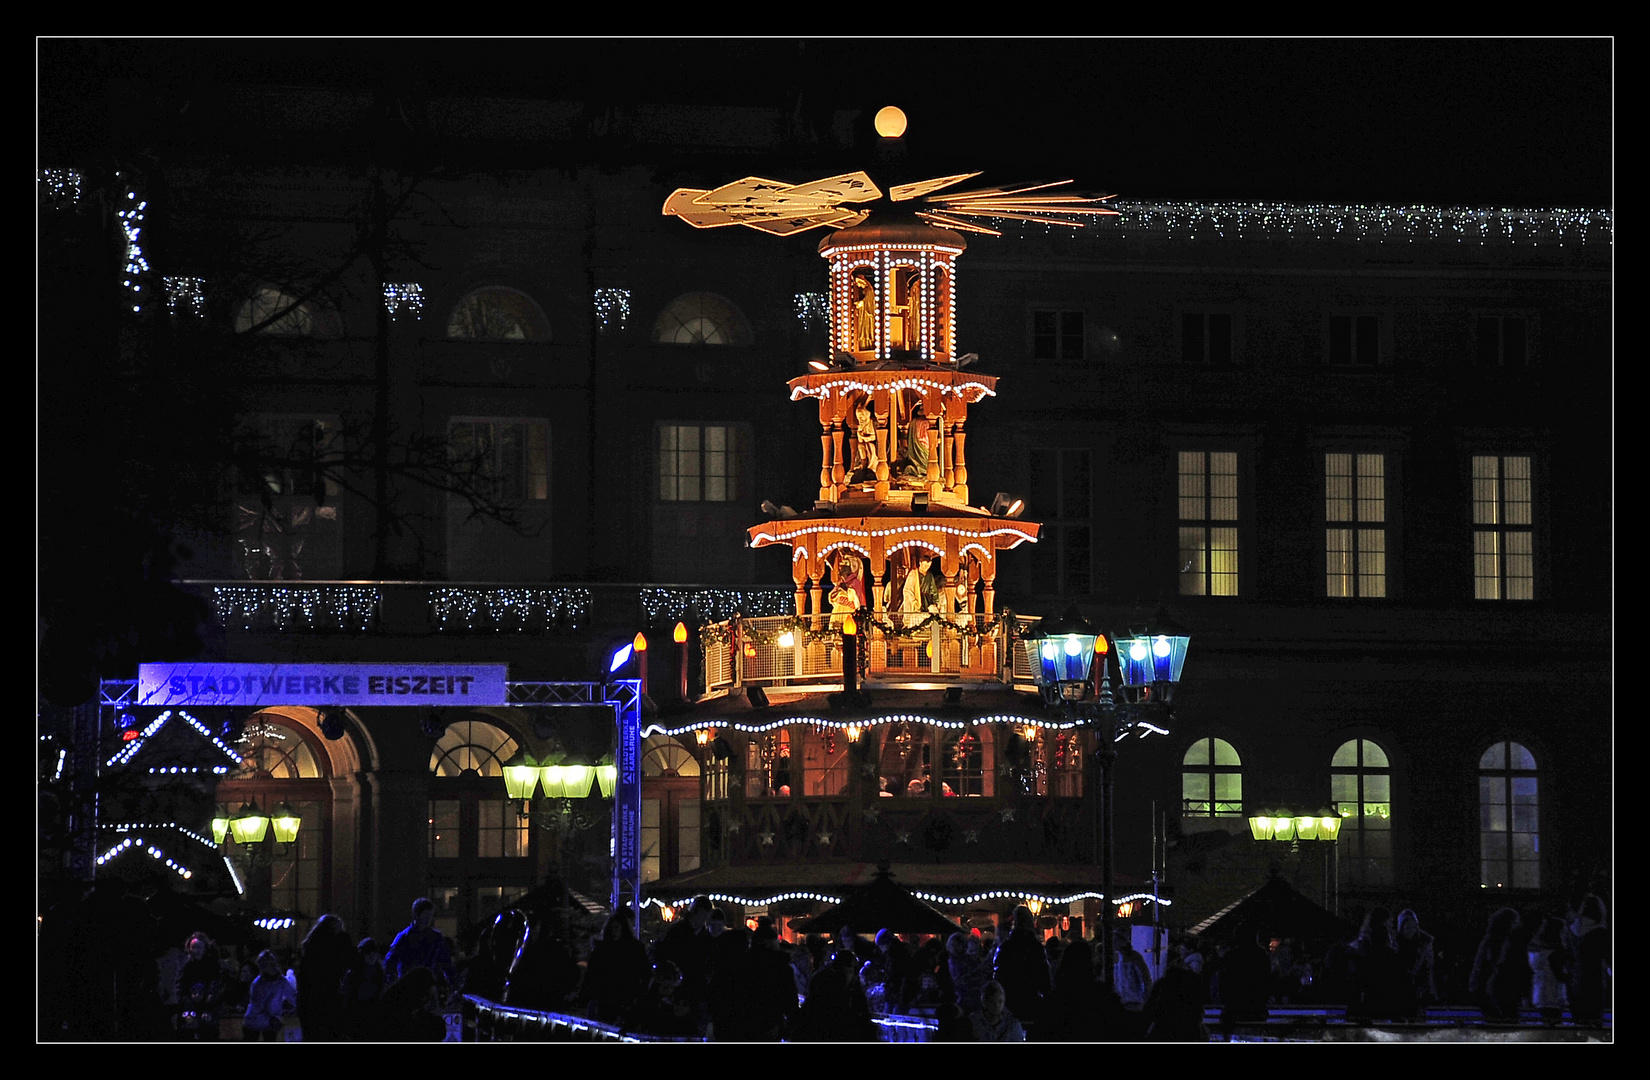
(1277, 909)
(882, 904)
(945, 885)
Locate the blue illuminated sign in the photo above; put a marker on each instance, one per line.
(321, 684)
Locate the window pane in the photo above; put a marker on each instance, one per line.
(1516, 490)
(1338, 487)
(1371, 487)
(1224, 753)
(1195, 795)
(443, 829)
(687, 835)
(1495, 757)
(1220, 340)
(1340, 339)
(649, 840)
(1338, 557)
(1521, 758)
(1374, 756)
(1074, 483)
(1489, 342)
(1198, 753)
(1076, 564)
(1223, 504)
(1371, 562)
(1191, 339)
(1193, 486)
(1345, 754)
(1486, 565)
(1044, 335)
(1071, 335)
(1194, 562)
(490, 839)
(1369, 340)
(1514, 350)
(1223, 562)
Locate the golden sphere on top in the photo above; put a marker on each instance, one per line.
(890, 122)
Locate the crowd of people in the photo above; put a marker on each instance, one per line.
(709, 977)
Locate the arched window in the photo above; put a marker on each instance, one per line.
(1360, 781)
(701, 319)
(1211, 780)
(1509, 834)
(664, 756)
(473, 823)
(279, 765)
(495, 313)
(472, 745)
(279, 313)
(670, 808)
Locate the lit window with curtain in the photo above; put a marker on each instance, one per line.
(1208, 523)
(1211, 780)
(1509, 834)
(1355, 547)
(1360, 783)
(1503, 546)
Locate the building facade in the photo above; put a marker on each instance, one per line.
(505, 412)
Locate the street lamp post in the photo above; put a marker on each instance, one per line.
(1290, 827)
(1061, 653)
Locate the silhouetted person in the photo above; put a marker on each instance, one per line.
(421, 945)
(1245, 976)
(660, 1011)
(617, 972)
(1589, 962)
(544, 974)
(1499, 968)
(1022, 969)
(1417, 958)
(329, 957)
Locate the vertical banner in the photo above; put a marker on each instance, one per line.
(626, 696)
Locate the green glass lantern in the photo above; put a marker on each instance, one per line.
(249, 825)
(521, 777)
(577, 780)
(286, 823)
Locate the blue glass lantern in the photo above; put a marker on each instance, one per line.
(1060, 653)
(1150, 665)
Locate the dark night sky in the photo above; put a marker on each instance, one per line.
(1479, 121)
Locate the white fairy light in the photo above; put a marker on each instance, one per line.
(185, 295)
(612, 308)
(404, 297)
